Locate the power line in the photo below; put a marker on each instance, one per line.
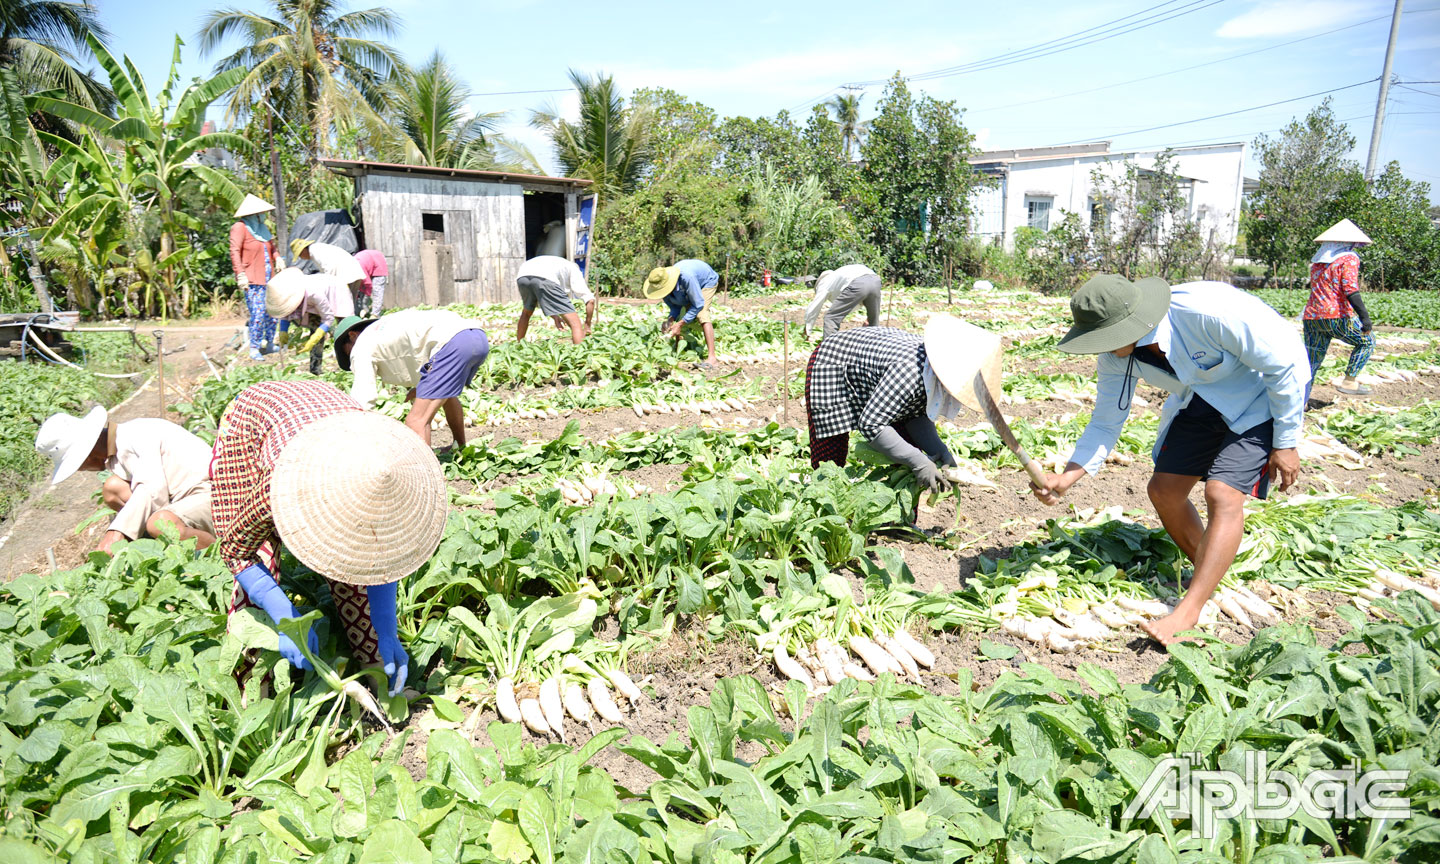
(524, 92)
(1216, 116)
(1198, 65)
(1089, 36)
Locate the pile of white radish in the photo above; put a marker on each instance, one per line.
(1065, 631)
(751, 359)
(1388, 583)
(542, 708)
(585, 490)
(703, 406)
(1389, 376)
(1323, 445)
(825, 663)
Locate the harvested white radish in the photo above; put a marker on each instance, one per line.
(858, 672)
(551, 707)
(1110, 617)
(623, 683)
(1086, 626)
(915, 648)
(1059, 644)
(1252, 604)
(575, 704)
(533, 716)
(1148, 608)
(900, 654)
(1209, 613)
(1368, 594)
(1013, 626)
(638, 409)
(791, 669)
(1226, 601)
(832, 658)
(604, 704)
(505, 703)
(366, 700)
(1033, 630)
(874, 657)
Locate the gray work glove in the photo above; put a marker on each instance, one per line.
(923, 432)
(889, 442)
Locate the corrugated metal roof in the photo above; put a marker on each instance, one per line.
(351, 168)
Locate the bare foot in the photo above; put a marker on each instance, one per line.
(1164, 630)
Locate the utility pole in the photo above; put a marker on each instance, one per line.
(1384, 93)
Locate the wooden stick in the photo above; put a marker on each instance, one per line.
(160, 368)
(727, 276)
(785, 374)
(890, 309)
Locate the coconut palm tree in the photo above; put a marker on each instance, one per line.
(609, 143)
(429, 109)
(309, 56)
(846, 108)
(43, 41)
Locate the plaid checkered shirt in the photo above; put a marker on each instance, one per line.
(255, 429)
(866, 378)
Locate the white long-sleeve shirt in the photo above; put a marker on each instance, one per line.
(162, 462)
(1226, 345)
(394, 349)
(827, 288)
(337, 262)
(561, 271)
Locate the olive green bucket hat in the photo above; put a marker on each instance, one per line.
(342, 351)
(1111, 312)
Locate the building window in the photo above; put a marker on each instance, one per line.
(1099, 215)
(432, 226)
(1037, 211)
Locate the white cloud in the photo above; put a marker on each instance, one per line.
(1286, 17)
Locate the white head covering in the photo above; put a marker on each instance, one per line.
(938, 401)
(1330, 251)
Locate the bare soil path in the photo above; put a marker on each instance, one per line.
(45, 524)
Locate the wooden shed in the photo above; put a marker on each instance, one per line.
(457, 236)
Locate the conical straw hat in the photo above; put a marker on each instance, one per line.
(359, 498)
(252, 205)
(1343, 231)
(285, 292)
(960, 352)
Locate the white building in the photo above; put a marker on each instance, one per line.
(1035, 185)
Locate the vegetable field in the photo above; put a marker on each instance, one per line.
(652, 633)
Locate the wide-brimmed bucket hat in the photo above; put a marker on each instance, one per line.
(67, 440)
(342, 351)
(1111, 312)
(285, 292)
(963, 356)
(300, 244)
(359, 498)
(251, 205)
(660, 282)
(1344, 231)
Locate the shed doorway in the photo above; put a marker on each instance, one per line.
(542, 209)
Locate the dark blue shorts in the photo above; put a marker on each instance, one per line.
(453, 367)
(1199, 443)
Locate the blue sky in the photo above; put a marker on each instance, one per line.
(756, 58)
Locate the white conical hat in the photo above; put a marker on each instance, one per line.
(959, 352)
(359, 498)
(285, 292)
(1343, 231)
(252, 205)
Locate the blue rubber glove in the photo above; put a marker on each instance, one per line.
(264, 591)
(387, 633)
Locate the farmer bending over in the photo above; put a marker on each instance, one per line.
(315, 300)
(159, 473)
(433, 353)
(333, 261)
(352, 494)
(1237, 375)
(1335, 310)
(687, 287)
(371, 299)
(844, 289)
(549, 282)
(879, 380)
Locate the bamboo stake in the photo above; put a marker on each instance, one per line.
(890, 307)
(785, 373)
(727, 277)
(160, 368)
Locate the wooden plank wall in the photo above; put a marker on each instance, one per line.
(391, 205)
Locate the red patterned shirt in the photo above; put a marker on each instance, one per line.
(1331, 286)
(253, 431)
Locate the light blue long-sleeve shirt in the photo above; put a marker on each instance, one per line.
(1226, 345)
(687, 299)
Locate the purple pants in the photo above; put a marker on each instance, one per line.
(453, 367)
